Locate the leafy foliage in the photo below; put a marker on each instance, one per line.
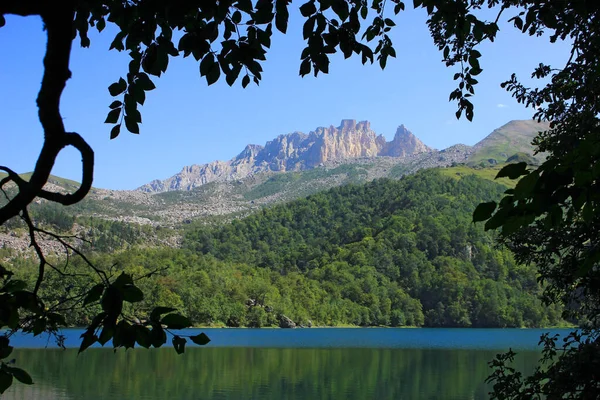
(551, 218)
(412, 236)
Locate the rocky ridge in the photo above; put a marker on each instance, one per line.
(296, 152)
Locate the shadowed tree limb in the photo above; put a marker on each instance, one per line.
(58, 21)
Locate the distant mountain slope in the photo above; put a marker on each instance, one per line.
(514, 137)
(237, 197)
(294, 152)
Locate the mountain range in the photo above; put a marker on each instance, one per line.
(296, 151)
(292, 166)
(348, 142)
(286, 168)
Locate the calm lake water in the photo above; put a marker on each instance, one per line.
(411, 364)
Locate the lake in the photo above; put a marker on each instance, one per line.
(298, 364)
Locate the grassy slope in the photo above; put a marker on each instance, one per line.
(514, 137)
(485, 173)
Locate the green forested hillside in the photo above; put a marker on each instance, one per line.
(393, 253)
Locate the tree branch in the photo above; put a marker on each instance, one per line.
(87, 160)
(23, 8)
(58, 20)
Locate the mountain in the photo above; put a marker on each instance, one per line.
(296, 152)
(233, 198)
(502, 143)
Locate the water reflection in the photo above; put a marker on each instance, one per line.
(258, 373)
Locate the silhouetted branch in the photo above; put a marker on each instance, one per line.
(58, 21)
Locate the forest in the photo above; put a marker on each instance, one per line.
(386, 253)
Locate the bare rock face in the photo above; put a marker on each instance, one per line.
(296, 151)
(350, 140)
(404, 144)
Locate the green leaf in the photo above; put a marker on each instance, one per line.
(132, 294)
(282, 15)
(158, 335)
(340, 7)
(201, 339)
(124, 335)
(107, 333)
(115, 104)
(117, 88)
(231, 77)
(113, 116)
(525, 186)
(112, 301)
(115, 131)
(213, 74)
(97, 320)
(245, 81)
(179, 344)
(20, 375)
(88, 339)
(149, 61)
(5, 351)
(100, 25)
(144, 81)
(176, 321)
(122, 280)
(137, 93)
(131, 125)
(39, 326)
(484, 211)
(142, 336)
(511, 225)
(495, 222)
(308, 9)
(513, 171)
(305, 67)
(94, 294)
(518, 22)
(158, 311)
(474, 62)
(206, 64)
(6, 380)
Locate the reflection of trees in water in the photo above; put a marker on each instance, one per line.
(237, 373)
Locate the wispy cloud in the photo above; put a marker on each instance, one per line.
(500, 105)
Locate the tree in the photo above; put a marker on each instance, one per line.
(229, 38)
(551, 219)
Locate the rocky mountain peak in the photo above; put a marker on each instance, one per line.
(402, 131)
(297, 151)
(251, 150)
(404, 144)
(352, 125)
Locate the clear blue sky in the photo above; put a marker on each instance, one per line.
(186, 122)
